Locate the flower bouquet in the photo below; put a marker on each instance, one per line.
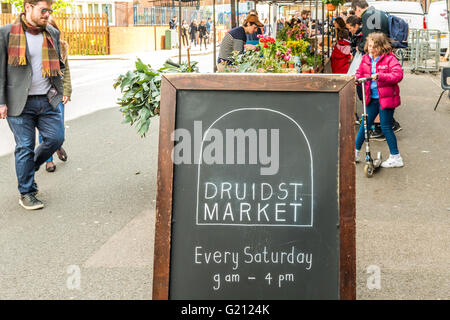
(270, 56)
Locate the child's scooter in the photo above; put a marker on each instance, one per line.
(371, 164)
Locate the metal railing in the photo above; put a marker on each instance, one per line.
(423, 52)
(152, 16)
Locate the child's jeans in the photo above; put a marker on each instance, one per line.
(386, 121)
(61, 109)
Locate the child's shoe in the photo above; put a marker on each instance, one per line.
(357, 156)
(394, 161)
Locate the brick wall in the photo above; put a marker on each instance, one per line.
(124, 14)
(132, 39)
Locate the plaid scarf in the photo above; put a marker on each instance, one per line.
(18, 43)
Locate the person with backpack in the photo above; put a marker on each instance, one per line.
(373, 20)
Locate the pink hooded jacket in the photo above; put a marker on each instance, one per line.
(390, 73)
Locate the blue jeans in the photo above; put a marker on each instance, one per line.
(38, 113)
(61, 110)
(386, 121)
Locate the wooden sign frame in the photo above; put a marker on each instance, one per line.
(344, 85)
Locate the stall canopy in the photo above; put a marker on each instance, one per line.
(313, 6)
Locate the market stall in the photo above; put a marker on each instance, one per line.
(303, 47)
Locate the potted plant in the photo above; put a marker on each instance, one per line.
(332, 4)
(297, 32)
(298, 47)
(306, 69)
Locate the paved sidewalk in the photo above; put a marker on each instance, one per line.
(99, 214)
(99, 217)
(172, 53)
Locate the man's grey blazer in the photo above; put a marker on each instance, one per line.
(15, 82)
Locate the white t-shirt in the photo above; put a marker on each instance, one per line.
(39, 85)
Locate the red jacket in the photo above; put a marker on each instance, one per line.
(340, 57)
(390, 73)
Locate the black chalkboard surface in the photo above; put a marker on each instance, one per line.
(255, 198)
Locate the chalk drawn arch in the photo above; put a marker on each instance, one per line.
(200, 162)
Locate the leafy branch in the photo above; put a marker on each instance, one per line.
(141, 92)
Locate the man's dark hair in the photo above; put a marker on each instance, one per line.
(354, 20)
(351, 12)
(359, 3)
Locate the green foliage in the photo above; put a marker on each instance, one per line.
(57, 6)
(247, 62)
(282, 33)
(310, 61)
(141, 89)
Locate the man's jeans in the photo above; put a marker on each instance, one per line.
(61, 110)
(38, 113)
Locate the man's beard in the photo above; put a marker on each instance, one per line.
(39, 23)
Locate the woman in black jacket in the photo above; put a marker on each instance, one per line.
(354, 26)
(193, 30)
(202, 33)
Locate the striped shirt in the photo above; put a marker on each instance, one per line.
(232, 41)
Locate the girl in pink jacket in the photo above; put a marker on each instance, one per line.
(382, 93)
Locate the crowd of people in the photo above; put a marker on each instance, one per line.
(193, 33)
(364, 49)
(35, 60)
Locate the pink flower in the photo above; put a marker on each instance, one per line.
(287, 58)
(278, 53)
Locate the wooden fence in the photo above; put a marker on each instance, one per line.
(87, 34)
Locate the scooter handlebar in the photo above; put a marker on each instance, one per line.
(362, 80)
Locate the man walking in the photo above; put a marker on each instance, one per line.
(31, 88)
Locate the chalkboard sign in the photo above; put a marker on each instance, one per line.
(256, 188)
